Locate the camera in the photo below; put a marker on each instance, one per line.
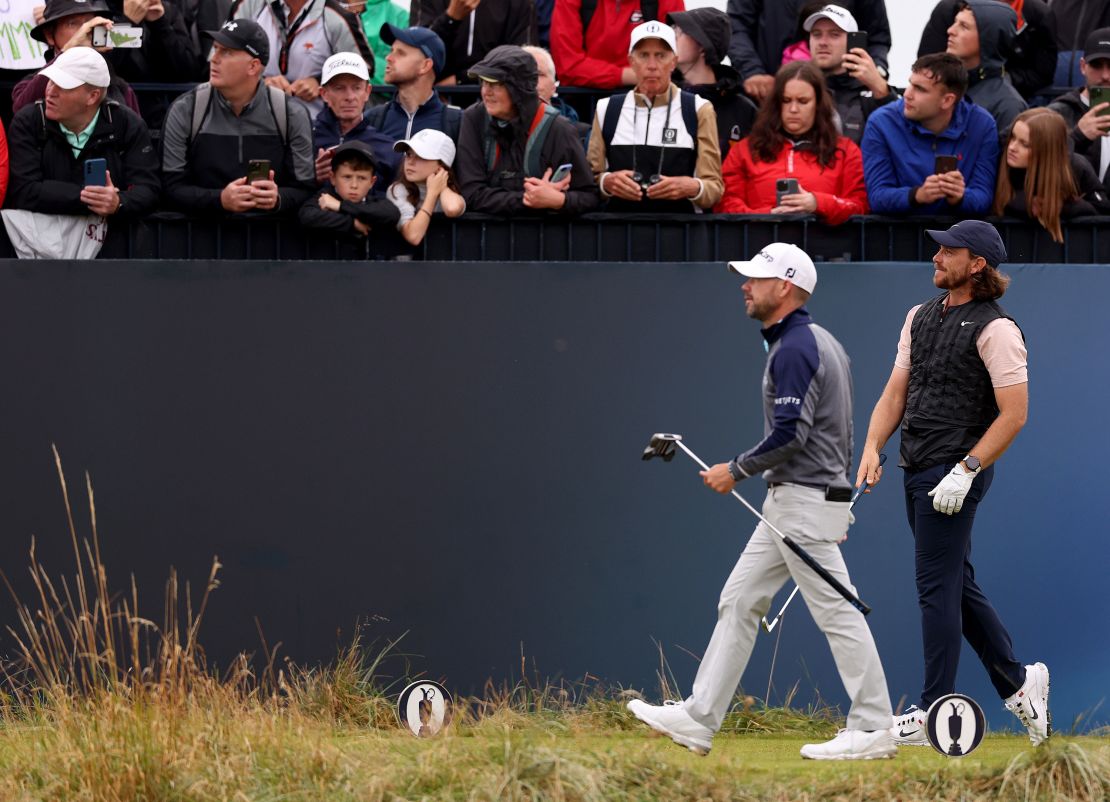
(645, 183)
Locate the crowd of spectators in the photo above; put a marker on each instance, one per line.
(770, 108)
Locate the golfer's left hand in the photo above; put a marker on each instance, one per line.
(718, 478)
(948, 495)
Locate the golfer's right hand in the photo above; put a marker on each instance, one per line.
(718, 478)
(870, 470)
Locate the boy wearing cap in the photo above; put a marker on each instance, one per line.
(1090, 124)
(302, 34)
(655, 149)
(852, 76)
(416, 57)
(959, 391)
(215, 130)
(345, 91)
(344, 204)
(701, 41)
(804, 456)
(51, 140)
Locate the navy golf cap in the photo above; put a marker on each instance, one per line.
(424, 39)
(977, 236)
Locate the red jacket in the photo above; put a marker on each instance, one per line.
(3, 164)
(839, 188)
(605, 54)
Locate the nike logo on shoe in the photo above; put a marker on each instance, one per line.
(1035, 716)
(903, 734)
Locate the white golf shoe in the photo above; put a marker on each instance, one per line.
(1030, 704)
(673, 721)
(909, 728)
(853, 745)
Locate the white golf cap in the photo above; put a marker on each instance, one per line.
(76, 66)
(652, 29)
(430, 144)
(780, 260)
(840, 16)
(344, 64)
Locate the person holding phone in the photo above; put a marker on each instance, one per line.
(903, 139)
(1086, 110)
(839, 49)
(794, 161)
(75, 132)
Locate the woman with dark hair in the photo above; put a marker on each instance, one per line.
(795, 161)
(1041, 179)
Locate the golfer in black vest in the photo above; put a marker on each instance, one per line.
(959, 389)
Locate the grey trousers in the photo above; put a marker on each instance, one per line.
(764, 566)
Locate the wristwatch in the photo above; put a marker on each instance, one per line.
(971, 464)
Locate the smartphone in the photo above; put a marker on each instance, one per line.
(857, 39)
(945, 164)
(785, 186)
(258, 170)
(96, 172)
(118, 36)
(562, 172)
(1099, 94)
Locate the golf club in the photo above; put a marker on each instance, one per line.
(767, 627)
(663, 446)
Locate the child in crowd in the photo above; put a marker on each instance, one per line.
(344, 205)
(428, 185)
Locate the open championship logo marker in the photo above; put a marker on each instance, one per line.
(955, 725)
(424, 708)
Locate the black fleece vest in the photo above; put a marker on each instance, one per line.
(950, 402)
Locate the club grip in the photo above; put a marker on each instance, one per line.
(821, 572)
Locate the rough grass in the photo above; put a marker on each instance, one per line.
(103, 705)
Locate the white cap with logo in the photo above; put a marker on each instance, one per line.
(344, 64)
(780, 260)
(838, 15)
(428, 143)
(76, 66)
(653, 29)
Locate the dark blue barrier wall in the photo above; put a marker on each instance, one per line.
(455, 448)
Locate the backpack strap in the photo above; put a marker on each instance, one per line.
(586, 12)
(688, 103)
(376, 116)
(279, 105)
(612, 116)
(450, 121)
(201, 97)
(537, 136)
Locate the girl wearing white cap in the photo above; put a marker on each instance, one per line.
(427, 184)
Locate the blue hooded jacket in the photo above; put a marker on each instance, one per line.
(899, 154)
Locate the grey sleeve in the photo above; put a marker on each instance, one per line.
(175, 134)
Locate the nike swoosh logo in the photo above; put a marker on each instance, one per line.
(967, 323)
(1035, 716)
(904, 734)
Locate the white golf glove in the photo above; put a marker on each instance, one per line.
(948, 495)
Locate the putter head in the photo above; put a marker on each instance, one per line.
(662, 445)
(767, 626)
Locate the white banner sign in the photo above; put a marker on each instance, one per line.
(18, 51)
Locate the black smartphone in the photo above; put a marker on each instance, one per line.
(945, 164)
(96, 172)
(1100, 94)
(258, 170)
(857, 39)
(785, 186)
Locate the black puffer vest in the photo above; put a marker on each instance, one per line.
(950, 402)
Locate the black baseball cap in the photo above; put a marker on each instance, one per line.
(57, 9)
(1097, 45)
(243, 34)
(979, 237)
(362, 149)
(707, 26)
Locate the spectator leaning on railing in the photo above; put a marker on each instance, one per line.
(415, 58)
(427, 184)
(1040, 179)
(1090, 125)
(66, 24)
(857, 86)
(344, 204)
(53, 140)
(345, 90)
(302, 34)
(934, 151)
(980, 34)
(795, 137)
(512, 144)
(655, 149)
(472, 28)
(589, 38)
(215, 130)
(701, 41)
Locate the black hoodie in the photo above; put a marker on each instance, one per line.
(735, 113)
(854, 103)
(987, 84)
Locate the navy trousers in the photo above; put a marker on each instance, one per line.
(952, 604)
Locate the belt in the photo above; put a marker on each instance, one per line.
(831, 493)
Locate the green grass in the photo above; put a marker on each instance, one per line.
(103, 705)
